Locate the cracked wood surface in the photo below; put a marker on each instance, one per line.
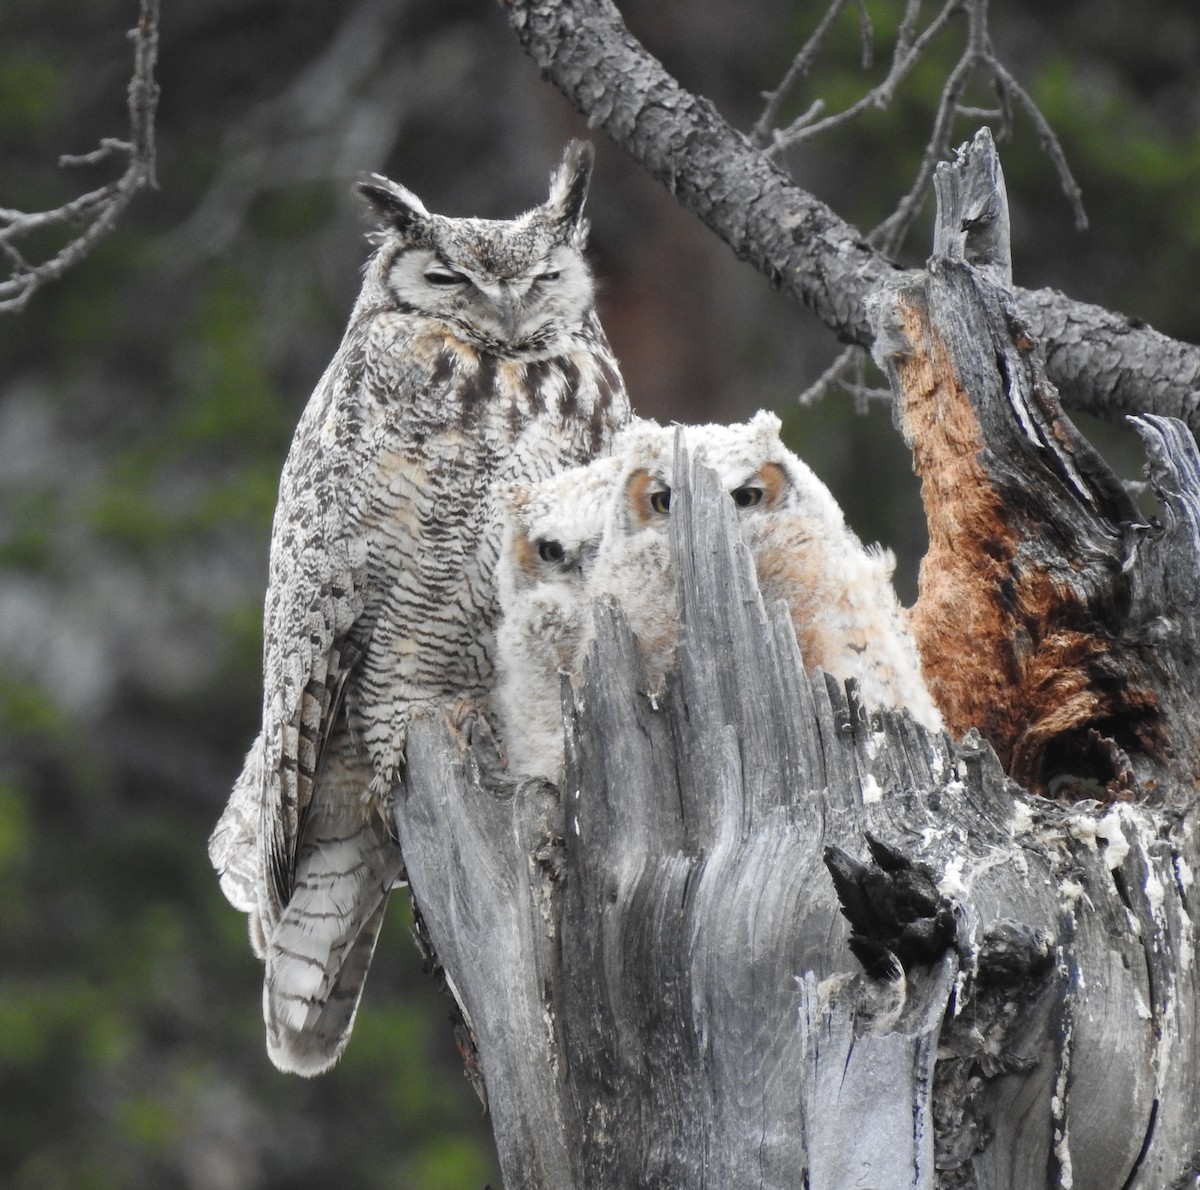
(653, 962)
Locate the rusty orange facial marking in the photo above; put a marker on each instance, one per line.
(775, 482)
(526, 556)
(640, 486)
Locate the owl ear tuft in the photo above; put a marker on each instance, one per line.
(569, 185)
(395, 206)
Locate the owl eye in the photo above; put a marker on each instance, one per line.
(747, 497)
(551, 276)
(444, 277)
(550, 551)
(660, 501)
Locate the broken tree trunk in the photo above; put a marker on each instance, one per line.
(766, 937)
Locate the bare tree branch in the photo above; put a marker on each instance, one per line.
(889, 235)
(1010, 89)
(847, 374)
(1101, 362)
(977, 60)
(97, 211)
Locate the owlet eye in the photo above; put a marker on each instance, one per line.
(660, 501)
(747, 497)
(550, 551)
(551, 276)
(444, 277)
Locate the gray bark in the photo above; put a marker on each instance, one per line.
(764, 937)
(1102, 362)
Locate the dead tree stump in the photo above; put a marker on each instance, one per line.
(765, 937)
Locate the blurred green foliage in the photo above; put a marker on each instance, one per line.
(29, 91)
(146, 404)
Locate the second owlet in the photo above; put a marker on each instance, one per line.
(847, 618)
(551, 534)
(473, 360)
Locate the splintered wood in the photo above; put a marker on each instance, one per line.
(1016, 623)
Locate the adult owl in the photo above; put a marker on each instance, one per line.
(844, 608)
(552, 531)
(473, 360)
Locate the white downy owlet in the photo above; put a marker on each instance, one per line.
(552, 532)
(847, 618)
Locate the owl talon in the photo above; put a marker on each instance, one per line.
(462, 716)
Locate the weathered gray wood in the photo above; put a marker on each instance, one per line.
(654, 963)
(480, 860)
(675, 961)
(1034, 545)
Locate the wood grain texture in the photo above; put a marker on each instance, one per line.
(654, 961)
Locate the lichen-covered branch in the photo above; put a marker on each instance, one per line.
(1100, 361)
(97, 211)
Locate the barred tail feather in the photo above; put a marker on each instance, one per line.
(319, 952)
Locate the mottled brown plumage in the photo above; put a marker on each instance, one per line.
(473, 360)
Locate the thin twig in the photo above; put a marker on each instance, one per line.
(904, 58)
(1051, 145)
(908, 27)
(98, 210)
(851, 361)
(829, 378)
(977, 58)
(801, 65)
(866, 35)
(889, 235)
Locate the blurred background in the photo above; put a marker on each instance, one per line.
(146, 405)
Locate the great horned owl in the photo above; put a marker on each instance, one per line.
(633, 565)
(551, 534)
(473, 360)
(848, 620)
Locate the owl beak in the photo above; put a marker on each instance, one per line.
(507, 303)
(587, 555)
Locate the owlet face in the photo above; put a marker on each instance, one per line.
(553, 528)
(500, 283)
(751, 461)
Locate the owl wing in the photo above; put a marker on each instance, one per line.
(320, 949)
(325, 865)
(327, 862)
(315, 600)
(233, 845)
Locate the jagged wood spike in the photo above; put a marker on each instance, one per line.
(654, 961)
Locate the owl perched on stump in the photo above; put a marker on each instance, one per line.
(563, 550)
(473, 360)
(844, 608)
